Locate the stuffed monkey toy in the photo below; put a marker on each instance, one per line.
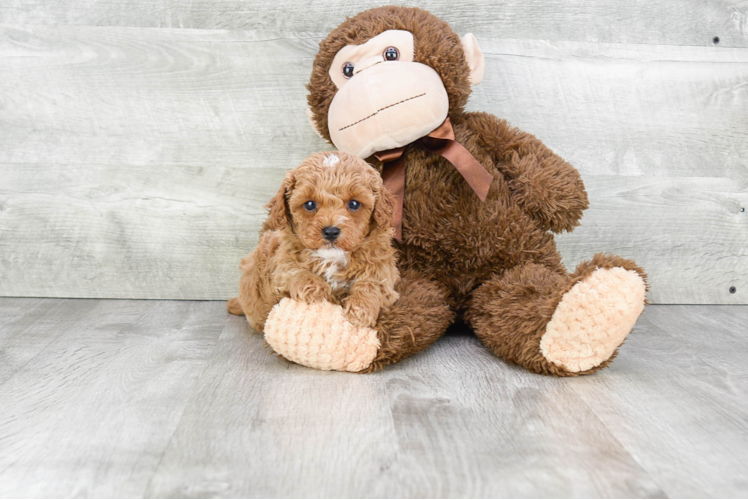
(477, 205)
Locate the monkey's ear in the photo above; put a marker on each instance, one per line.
(310, 115)
(278, 211)
(474, 57)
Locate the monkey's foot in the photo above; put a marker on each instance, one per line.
(319, 336)
(593, 319)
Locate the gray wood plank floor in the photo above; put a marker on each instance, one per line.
(103, 398)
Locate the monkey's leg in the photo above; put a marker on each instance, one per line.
(419, 317)
(560, 325)
(319, 336)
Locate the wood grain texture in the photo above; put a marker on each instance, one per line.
(268, 428)
(28, 326)
(126, 97)
(134, 162)
(453, 422)
(178, 232)
(679, 392)
(471, 426)
(668, 22)
(688, 233)
(145, 399)
(632, 110)
(91, 412)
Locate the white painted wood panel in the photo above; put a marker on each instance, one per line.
(133, 96)
(134, 162)
(631, 110)
(669, 22)
(688, 233)
(129, 232)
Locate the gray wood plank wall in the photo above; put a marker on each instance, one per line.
(140, 139)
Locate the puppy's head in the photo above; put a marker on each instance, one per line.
(332, 200)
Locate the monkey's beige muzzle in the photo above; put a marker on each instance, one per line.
(387, 106)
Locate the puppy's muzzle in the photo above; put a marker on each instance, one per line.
(331, 233)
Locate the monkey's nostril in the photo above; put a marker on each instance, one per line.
(331, 233)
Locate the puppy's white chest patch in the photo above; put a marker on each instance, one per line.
(332, 260)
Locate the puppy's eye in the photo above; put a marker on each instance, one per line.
(310, 205)
(391, 54)
(348, 70)
(353, 205)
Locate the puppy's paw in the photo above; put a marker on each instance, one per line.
(359, 312)
(311, 291)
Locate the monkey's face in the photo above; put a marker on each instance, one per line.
(385, 99)
(389, 76)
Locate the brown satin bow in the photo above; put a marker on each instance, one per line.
(441, 141)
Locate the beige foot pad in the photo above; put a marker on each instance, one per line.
(319, 336)
(593, 319)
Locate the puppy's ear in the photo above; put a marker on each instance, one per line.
(279, 213)
(383, 208)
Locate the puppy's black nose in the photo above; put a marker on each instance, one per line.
(331, 233)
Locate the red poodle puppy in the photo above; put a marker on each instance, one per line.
(328, 237)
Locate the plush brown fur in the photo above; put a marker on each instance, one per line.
(497, 261)
(436, 45)
(414, 322)
(293, 259)
(509, 313)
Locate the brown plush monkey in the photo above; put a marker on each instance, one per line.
(479, 199)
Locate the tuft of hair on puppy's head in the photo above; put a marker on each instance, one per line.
(332, 200)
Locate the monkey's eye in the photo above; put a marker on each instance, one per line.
(348, 70)
(391, 54)
(310, 205)
(354, 205)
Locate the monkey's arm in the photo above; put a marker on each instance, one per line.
(546, 186)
